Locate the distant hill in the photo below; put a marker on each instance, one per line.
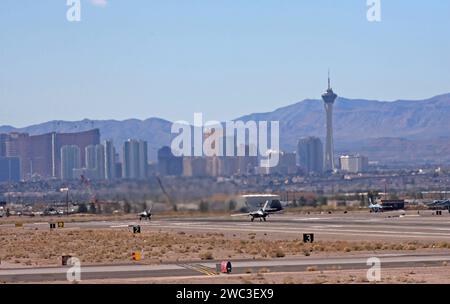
(358, 119)
(415, 130)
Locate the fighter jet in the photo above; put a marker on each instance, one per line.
(146, 215)
(440, 205)
(375, 208)
(263, 212)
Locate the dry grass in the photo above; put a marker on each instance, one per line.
(279, 253)
(207, 255)
(311, 268)
(44, 247)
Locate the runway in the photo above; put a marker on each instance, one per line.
(195, 269)
(338, 226)
(358, 226)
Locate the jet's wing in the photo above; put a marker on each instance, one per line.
(241, 214)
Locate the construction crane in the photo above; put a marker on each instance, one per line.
(169, 200)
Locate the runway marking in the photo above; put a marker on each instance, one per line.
(172, 270)
(398, 234)
(199, 268)
(309, 219)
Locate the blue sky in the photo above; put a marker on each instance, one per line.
(225, 58)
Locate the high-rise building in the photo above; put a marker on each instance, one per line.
(80, 139)
(247, 163)
(3, 140)
(135, 159)
(100, 159)
(228, 165)
(95, 160)
(329, 97)
(213, 166)
(118, 170)
(195, 166)
(35, 153)
(169, 164)
(143, 159)
(152, 169)
(354, 163)
(70, 160)
(91, 159)
(40, 155)
(310, 155)
(9, 169)
(110, 160)
(286, 164)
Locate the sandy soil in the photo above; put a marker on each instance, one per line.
(419, 275)
(30, 247)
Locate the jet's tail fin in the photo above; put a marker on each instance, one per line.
(265, 206)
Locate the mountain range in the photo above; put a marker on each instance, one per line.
(404, 130)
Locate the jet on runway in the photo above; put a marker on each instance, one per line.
(263, 212)
(146, 215)
(376, 208)
(440, 205)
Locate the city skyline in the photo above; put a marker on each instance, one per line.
(182, 57)
(377, 129)
(83, 157)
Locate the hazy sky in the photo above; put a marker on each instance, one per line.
(225, 58)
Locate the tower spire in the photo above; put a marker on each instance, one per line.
(329, 80)
(329, 97)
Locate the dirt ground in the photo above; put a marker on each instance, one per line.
(419, 275)
(32, 247)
